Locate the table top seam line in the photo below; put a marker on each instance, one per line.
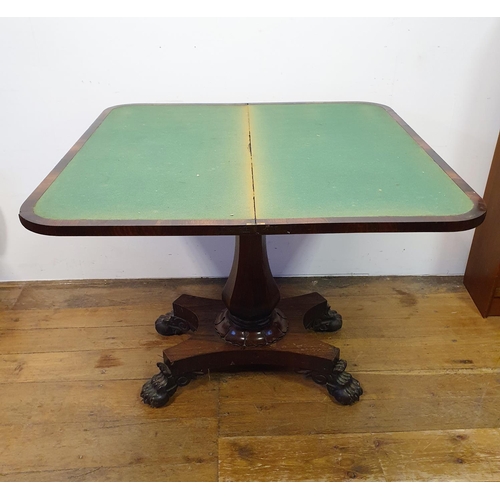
(251, 163)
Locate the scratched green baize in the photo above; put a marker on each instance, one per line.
(158, 162)
(344, 160)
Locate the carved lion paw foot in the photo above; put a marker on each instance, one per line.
(168, 324)
(342, 385)
(329, 321)
(162, 386)
(157, 391)
(344, 388)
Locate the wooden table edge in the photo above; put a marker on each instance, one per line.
(53, 227)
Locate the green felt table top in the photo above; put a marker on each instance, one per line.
(252, 163)
(344, 160)
(158, 162)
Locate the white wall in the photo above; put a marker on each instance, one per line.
(441, 75)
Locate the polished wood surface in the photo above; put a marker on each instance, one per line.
(250, 292)
(482, 275)
(73, 356)
(296, 351)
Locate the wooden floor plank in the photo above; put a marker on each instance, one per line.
(268, 404)
(84, 365)
(193, 470)
(452, 455)
(83, 339)
(111, 293)
(101, 401)
(354, 286)
(49, 447)
(89, 317)
(431, 353)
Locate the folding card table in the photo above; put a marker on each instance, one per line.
(250, 170)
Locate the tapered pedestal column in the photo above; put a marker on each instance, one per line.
(251, 295)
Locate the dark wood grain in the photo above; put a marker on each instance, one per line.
(42, 225)
(250, 292)
(483, 267)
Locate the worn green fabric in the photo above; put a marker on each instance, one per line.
(344, 160)
(156, 162)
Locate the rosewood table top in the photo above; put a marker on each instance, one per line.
(164, 169)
